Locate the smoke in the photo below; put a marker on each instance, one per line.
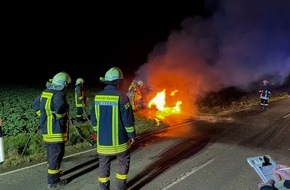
(240, 42)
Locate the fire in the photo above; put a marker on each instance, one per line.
(160, 102)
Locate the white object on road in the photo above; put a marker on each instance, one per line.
(2, 153)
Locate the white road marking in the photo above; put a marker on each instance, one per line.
(286, 115)
(187, 174)
(32, 166)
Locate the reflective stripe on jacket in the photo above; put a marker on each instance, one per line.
(79, 96)
(113, 120)
(265, 93)
(54, 117)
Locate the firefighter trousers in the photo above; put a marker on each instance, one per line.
(80, 112)
(54, 156)
(122, 171)
(264, 103)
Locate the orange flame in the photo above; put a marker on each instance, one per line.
(160, 102)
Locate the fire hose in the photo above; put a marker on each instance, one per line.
(79, 134)
(2, 155)
(84, 111)
(28, 140)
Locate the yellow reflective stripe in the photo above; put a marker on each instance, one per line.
(56, 137)
(48, 111)
(50, 171)
(77, 101)
(104, 179)
(127, 105)
(76, 98)
(116, 117)
(114, 127)
(121, 176)
(97, 112)
(60, 115)
(98, 118)
(106, 98)
(79, 105)
(108, 150)
(130, 129)
(38, 113)
(47, 95)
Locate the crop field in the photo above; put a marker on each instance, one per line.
(23, 141)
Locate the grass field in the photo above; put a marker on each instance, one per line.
(26, 146)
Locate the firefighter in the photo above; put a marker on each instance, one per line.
(265, 93)
(134, 94)
(113, 121)
(80, 99)
(54, 123)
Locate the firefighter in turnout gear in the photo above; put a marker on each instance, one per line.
(265, 93)
(80, 99)
(134, 94)
(113, 121)
(54, 125)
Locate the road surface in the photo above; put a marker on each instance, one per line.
(200, 153)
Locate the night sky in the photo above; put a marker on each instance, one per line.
(209, 44)
(85, 40)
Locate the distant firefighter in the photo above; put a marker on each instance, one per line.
(80, 99)
(134, 94)
(265, 93)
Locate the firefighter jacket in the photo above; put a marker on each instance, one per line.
(35, 106)
(54, 115)
(79, 96)
(134, 91)
(132, 87)
(265, 92)
(113, 121)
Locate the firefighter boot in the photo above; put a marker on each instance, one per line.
(105, 185)
(121, 184)
(56, 185)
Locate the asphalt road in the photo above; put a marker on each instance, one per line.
(201, 153)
